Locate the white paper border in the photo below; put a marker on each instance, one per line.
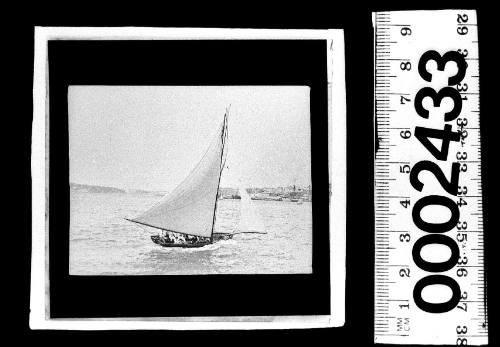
(40, 316)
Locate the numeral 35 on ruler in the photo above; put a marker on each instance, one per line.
(429, 264)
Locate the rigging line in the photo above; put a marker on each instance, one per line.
(223, 137)
(211, 144)
(162, 200)
(224, 140)
(191, 202)
(180, 232)
(153, 226)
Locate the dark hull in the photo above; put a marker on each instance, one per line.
(216, 237)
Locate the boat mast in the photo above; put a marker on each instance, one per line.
(223, 138)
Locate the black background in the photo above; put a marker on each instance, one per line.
(358, 329)
(211, 62)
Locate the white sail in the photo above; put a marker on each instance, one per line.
(190, 208)
(250, 219)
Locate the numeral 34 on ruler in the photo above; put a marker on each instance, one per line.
(429, 263)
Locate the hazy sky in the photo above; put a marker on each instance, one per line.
(151, 137)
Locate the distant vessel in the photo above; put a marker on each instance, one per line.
(186, 216)
(250, 220)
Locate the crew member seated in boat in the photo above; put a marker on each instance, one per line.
(191, 239)
(165, 237)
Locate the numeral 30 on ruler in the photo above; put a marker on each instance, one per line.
(429, 263)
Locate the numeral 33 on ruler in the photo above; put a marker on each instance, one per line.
(429, 264)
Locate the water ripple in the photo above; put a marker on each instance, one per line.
(103, 243)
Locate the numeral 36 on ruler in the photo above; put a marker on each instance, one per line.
(429, 263)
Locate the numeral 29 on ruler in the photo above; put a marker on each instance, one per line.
(429, 263)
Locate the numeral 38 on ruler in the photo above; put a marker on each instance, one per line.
(429, 264)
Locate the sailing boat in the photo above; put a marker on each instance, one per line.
(186, 216)
(250, 220)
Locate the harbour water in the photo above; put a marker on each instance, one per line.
(103, 243)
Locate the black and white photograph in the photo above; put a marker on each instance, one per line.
(189, 180)
(207, 165)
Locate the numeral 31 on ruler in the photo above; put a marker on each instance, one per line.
(429, 264)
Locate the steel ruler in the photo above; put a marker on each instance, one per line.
(429, 263)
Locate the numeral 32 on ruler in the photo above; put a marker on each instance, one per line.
(429, 263)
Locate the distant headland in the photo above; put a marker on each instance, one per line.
(87, 188)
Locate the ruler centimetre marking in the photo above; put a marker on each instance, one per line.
(401, 39)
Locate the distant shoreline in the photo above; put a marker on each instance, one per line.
(290, 193)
